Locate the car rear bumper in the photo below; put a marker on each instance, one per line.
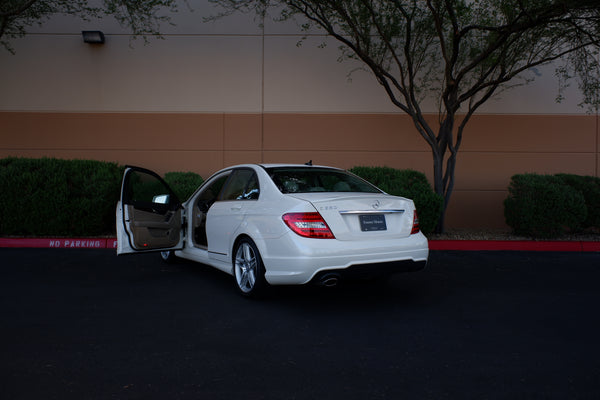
(313, 259)
(369, 271)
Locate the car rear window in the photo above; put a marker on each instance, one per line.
(315, 179)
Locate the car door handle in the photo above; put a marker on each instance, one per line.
(236, 208)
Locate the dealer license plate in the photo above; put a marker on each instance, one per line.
(372, 222)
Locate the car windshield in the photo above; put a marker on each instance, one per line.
(316, 179)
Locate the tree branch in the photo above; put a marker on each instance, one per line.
(17, 11)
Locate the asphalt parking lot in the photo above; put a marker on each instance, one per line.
(86, 324)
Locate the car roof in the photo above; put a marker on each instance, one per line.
(295, 165)
(277, 165)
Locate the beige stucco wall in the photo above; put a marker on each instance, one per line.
(232, 65)
(215, 94)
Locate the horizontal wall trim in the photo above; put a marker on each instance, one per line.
(164, 111)
(33, 110)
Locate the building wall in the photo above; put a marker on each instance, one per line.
(495, 147)
(215, 94)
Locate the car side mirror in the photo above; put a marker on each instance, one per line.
(161, 199)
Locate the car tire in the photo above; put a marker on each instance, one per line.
(168, 256)
(248, 269)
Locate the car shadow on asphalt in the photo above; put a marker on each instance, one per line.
(412, 289)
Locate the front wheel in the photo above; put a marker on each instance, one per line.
(248, 269)
(168, 256)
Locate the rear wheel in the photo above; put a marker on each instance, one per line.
(248, 269)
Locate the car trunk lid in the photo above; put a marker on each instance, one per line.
(363, 216)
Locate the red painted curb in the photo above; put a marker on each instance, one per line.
(60, 243)
(460, 245)
(590, 246)
(512, 245)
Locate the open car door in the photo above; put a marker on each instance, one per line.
(149, 214)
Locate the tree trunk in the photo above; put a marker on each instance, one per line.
(438, 187)
(443, 180)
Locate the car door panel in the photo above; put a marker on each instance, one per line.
(153, 230)
(222, 222)
(226, 216)
(149, 215)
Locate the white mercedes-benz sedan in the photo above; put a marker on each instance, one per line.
(274, 224)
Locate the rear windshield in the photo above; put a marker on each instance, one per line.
(315, 179)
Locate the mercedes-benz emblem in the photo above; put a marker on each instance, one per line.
(376, 204)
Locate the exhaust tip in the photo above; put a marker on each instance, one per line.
(329, 280)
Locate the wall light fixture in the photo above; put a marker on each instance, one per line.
(93, 37)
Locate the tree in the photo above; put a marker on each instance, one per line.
(141, 16)
(460, 52)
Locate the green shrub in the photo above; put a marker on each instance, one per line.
(543, 206)
(407, 183)
(58, 197)
(184, 184)
(589, 187)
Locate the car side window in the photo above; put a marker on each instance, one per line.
(252, 190)
(314, 179)
(243, 185)
(211, 192)
(145, 190)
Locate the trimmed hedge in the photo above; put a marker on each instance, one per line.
(546, 206)
(58, 197)
(589, 187)
(407, 183)
(54, 197)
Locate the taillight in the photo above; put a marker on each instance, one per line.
(310, 225)
(415, 227)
